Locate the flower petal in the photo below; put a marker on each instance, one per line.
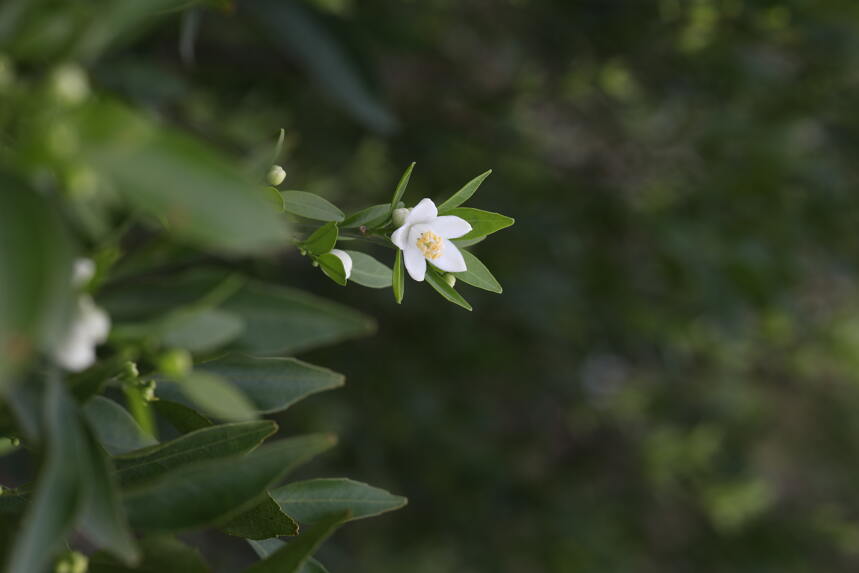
(451, 260)
(345, 259)
(401, 236)
(424, 212)
(450, 226)
(416, 264)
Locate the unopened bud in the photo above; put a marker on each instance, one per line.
(72, 562)
(449, 279)
(69, 84)
(147, 390)
(175, 363)
(276, 175)
(130, 371)
(400, 215)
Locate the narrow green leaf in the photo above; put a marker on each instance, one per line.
(322, 240)
(401, 188)
(313, 566)
(398, 279)
(59, 490)
(216, 396)
(214, 491)
(273, 384)
(463, 194)
(264, 520)
(312, 500)
(333, 268)
(115, 428)
(180, 416)
(310, 206)
(482, 222)
(292, 557)
(371, 217)
(200, 330)
(445, 290)
(282, 321)
(278, 148)
(265, 547)
(477, 274)
(161, 554)
(369, 272)
(225, 440)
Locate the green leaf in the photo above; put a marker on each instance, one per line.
(201, 195)
(464, 243)
(180, 416)
(313, 566)
(312, 500)
(200, 330)
(477, 274)
(398, 279)
(35, 274)
(59, 490)
(117, 431)
(273, 384)
(278, 147)
(292, 557)
(322, 240)
(482, 222)
(369, 272)
(216, 396)
(264, 520)
(161, 554)
(265, 547)
(214, 491)
(440, 285)
(285, 321)
(225, 440)
(310, 206)
(463, 194)
(371, 217)
(333, 268)
(401, 188)
(274, 196)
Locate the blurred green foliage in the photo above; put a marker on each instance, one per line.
(669, 381)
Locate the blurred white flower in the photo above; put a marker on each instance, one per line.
(88, 328)
(424, 236)
(345, 259)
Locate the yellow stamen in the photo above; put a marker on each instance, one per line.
(431, 245)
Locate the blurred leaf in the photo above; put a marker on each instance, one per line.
(373, 216)
(440, 285)
(284, 321)
(202, 197)
(401, 187)
(161, 554)
(482, 222)
(369, 272)
(310, 206)
(322, 240)
(116, 430)
(200, 330)
(312, 500)
(313, 566)
(216, 396)
(333, 268)
(275, 197)
(262, 521)
(225, 440)
(292, 557)
(35, 277)
(463, 194)
(477, 274)
(180, 416)
(273, 384)
(59, 491)
(398, 279)
(216, 490)
(292, 28)
(265, 547)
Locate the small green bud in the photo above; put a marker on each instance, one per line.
(276, 175)
(147, 390)
(69, 84)
(176, 363)
(72, 562)
(399, 217)
(449, 279)
(14, 441)
(130, 371)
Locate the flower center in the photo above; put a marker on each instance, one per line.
(430, 245)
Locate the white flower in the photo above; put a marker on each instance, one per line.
(89, 328)
(424, 236)
(345, 259)
(82, 272)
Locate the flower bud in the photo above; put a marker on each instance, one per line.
(72, 562)
(449, 279)
(175, 363)
(400, 215)
(345, 259)
(276, 175)
(7, 73)
(147, 390)
(69, 84)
